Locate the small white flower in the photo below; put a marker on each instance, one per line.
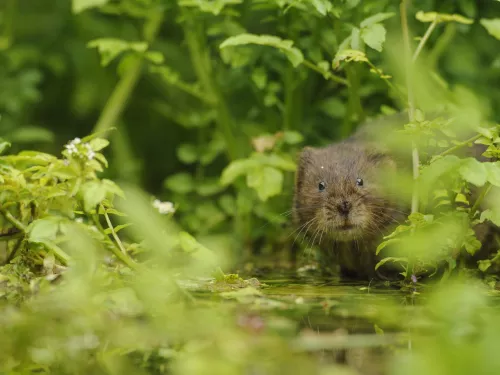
(76, 141)
(163, 207)
(90, 155)
(79, 220)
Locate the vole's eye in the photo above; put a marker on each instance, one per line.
(359, 181)
(321, 186)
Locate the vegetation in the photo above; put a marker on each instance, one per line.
(204, 104)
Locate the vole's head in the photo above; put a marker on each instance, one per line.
(339, 192)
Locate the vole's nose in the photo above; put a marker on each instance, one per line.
(344, 207)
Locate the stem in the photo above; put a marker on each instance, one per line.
(202, 63)
(12, 254)
(480, 199)
(330, 76)
(58, 252)
(11, 219)
(110, 226)
(385, 79)
(441, 44)
(122, 91)
(424, 40)
(460, 145)
(129, 262)
(411, 102)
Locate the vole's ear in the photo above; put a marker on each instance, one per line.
(304, 158)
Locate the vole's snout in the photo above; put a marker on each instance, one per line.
(344, 207)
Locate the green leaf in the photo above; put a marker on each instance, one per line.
(236, 169)
(442, 17)
(491, 215)
(493, 171)
(78, 6)
(267, 181)
(390, 259)
(355, 39)
(374, 36)
(199, 252)
(322, 6)
(28, 134)
(44, 229)
(385, 244)
(351, 55)
(181, 183)
(492, 26)
(286, 46)
(93, 193)
(379, 17)
(483, 265)
(474, 172)
(471, 243)
(4, 145)
(187, 153)
(110, 48)
(275, 160)
(117, 228)
(112, 188)
(98, 144)
(292, 137)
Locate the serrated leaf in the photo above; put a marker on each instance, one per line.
(491, 215)
(374, 36)
(110, 48)
(351, 55)
(286, 46)
(492, 25)
(113, 188)
(267, 181)
(379, 17)
(322, 6)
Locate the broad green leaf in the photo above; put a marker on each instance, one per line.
(44, 229)
(209, 187)
(471, 243)
(267, 181)
(199, 252)
(492, 215)
(322, 6)
(492, 25)
(93, 193)
(236, 169)
(379, 17)
(286, 46)
(442, 17)
(493, 171)
(346, 44)
(474, 172)
(187, 153)
(78, 6)
(384, 244)
(356, 39)
(181, 183)
(374, 36)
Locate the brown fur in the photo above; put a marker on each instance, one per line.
(347, 237)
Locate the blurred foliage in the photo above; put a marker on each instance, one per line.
(206, 103)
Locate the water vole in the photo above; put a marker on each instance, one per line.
(343, 202)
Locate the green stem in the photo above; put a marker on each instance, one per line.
(385, 79)
(113, 233)
(202, 63)
(330, 76)
(11, 236)
(122, 91)
(411, 102)
(116, 250)
(13, 253)
(58, 252)
(460, 145)
(424, 40)
(480, 199)
(441, 44)
(11, 219)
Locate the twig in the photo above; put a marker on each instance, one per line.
(460, 145)
(331, 76)
(11, 219)
(424, 40)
